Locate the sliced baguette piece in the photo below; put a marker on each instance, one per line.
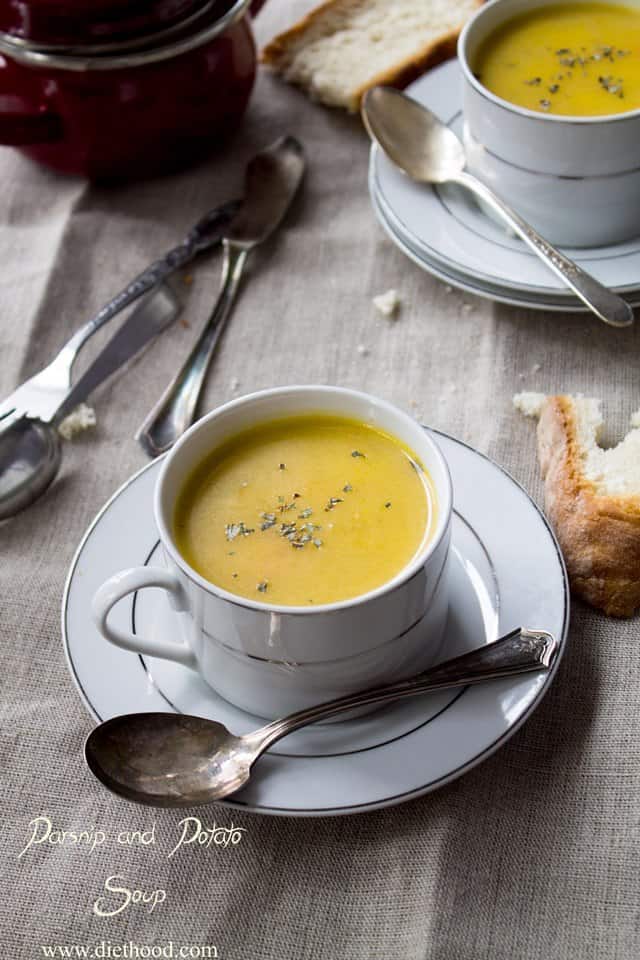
(592, 498)
(344, 47)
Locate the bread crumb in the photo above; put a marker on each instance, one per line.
(362, 350)
(536, 368)
(78, 420)
(529, 403)
(448, 289)
(468, 308)
(387, 303)
(235, 383)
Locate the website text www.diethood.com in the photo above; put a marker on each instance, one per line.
(106, 950)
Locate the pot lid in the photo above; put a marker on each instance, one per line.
(95, 22)
(210, 19)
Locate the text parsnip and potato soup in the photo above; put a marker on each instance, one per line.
(305, 510)
(570, 59)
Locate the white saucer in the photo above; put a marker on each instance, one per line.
(507, 571)
(444, 231)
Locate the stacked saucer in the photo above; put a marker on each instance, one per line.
(445, 233)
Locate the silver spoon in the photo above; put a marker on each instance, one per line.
(428, 151)
(30, 448)
(272, 179)
(173, 760)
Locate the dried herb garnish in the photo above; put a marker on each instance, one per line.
(611, 85)
(298, 536)
(263, 586)
(387, 504)
(233, 530)
(357, 453)
(582, 59)
(269, 520)
(296, 533)
(282, 466)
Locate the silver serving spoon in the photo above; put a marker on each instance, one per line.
(173, 760)
(30, 447)
(428, 151)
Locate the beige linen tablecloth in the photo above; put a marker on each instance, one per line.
(535, 854)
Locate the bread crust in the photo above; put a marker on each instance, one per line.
(599, 534)
(276, 53)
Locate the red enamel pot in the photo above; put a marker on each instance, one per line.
(113, 89)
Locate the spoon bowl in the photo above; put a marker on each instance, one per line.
(412, 137)
(30, 455)
(168, 760)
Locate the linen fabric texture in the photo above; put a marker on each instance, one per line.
(534, 854)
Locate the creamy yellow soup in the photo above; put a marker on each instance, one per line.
(573, 59)
(305, 510)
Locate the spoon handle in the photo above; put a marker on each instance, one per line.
(606, 304)
(520, 651)
(175, 409)
(147, 320)
(205, 234)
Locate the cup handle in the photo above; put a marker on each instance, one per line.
(126, 582)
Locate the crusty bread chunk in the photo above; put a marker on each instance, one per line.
(592, 498)
(346, 46)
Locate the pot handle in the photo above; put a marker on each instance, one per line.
(23, 119)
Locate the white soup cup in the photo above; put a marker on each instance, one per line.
(271, 659)
(575, 179)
